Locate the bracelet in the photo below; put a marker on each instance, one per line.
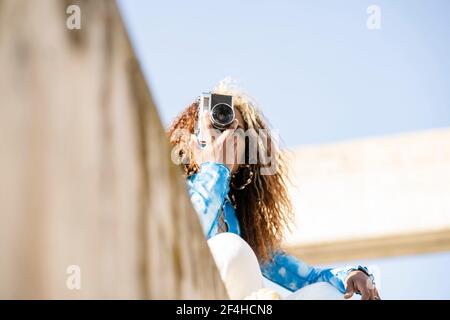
(364, 270)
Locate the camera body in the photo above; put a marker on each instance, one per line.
(220, 109)
(221, 112)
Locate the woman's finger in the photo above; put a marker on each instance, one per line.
(377, 295)
(227, 133)
(350, 290)
(220, 144)
(205, 127)
(365, 293)
(372, 294)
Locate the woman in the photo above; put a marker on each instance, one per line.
(242, 210)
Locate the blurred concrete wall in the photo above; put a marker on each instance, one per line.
(372, 197)
(87, 187)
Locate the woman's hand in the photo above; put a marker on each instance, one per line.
(358, 282)
(216, 141)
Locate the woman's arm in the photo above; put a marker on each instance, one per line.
(207, 190)
(293, 274)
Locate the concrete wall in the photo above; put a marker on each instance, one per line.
(372, 197)
(86, 178)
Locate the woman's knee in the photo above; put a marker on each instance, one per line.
(231, 247)
(237, 264)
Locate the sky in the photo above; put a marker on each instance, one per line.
(319, 73)
(424, 276)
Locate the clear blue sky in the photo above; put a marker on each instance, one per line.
(319, 73)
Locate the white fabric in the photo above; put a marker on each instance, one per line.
(276, 287)
(237, 264)
(240, 272)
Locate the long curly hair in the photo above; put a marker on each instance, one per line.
(263, 208)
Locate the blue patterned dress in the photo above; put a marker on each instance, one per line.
(208, 190)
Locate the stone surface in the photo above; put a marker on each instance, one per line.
(86, 177)
(372, 188)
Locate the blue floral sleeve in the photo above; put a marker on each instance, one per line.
(208, 189)
(293, 274)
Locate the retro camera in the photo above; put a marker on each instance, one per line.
(220, 109)
(221, 112)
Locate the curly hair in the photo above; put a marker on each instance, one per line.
(263, 208)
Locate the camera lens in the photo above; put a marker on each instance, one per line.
(222, 115)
